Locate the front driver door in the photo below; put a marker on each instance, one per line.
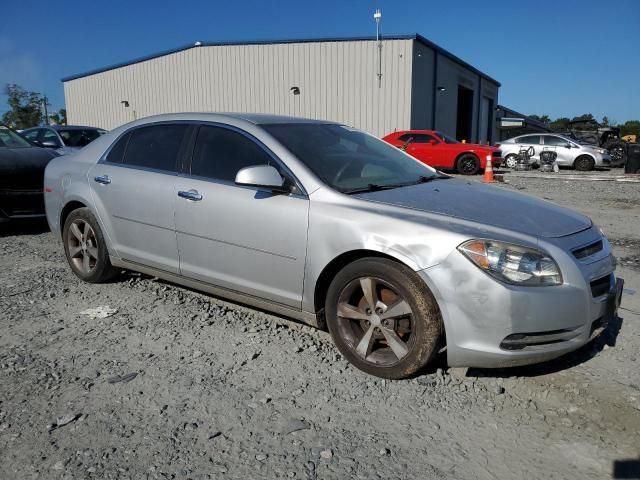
(133, 190)
(421, 148)
(561, 147)
(245, 239)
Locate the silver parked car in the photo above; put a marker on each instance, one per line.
(64, 139)
(329, 225)
(570, 153)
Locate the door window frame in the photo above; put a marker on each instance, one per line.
(280, 165)
(184, 150)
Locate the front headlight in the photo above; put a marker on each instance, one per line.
(601, 150)
(513, 263)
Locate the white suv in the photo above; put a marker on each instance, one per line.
(570, 153)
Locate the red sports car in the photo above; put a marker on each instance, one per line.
(441, 151)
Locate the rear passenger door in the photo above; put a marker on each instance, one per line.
(133, 190)
(245, 239)
(534, 142)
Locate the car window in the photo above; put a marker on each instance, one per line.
(554, 141)
(78, 137)
(416, 138)
(50, 137)
(321, 147)
(31, 135)
(530, 139)
(155, 146)
(116, 154)
(220, 153)
(9, 139)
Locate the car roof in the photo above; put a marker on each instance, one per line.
(72, 127)
(63, 127)
(252, 118)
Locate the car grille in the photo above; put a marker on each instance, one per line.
(588, 250)
(601, 286)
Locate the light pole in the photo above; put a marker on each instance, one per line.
(377, 15)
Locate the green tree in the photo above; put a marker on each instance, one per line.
(541, 118)
(25, 108)
(587, 122)
(631, 127)
(605, 122)
(59, 117)
(560, 124)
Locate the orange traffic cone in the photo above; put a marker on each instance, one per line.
(488, 171)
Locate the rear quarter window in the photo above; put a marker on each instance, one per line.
(116, 154)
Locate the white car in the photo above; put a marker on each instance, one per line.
(570, 153)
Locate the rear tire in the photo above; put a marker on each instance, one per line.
(511, 160)
(584, 163)
(400, 334)
(468, 164)
(85, 248)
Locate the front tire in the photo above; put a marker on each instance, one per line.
(584, 163)
(468, 164)
(85, 248)
(511, 160)
(383, 318)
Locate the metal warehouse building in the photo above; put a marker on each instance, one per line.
(421, 85)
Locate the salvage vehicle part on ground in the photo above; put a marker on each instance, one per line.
(393, 257)
(22, 167)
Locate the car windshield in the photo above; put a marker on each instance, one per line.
(10, 139)
(79, 137)
(446, 138)
(350, 160)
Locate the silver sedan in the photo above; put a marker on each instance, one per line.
(329, 225)
(569, 152)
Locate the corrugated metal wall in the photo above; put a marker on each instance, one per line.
(337, 81)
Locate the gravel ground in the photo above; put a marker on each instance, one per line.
(177, 384)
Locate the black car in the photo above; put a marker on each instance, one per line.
(21, 176)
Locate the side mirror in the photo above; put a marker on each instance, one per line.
(432, 142)
(261, 176)
(568, 145)
(49, 144)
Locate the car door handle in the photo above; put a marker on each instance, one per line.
(192, 195)
(103, 179)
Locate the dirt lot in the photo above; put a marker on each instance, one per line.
(177, 384)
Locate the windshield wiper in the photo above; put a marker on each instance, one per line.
(425, 179)
(372, 187)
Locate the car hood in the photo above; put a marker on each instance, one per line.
(487, 205)
(23, 168)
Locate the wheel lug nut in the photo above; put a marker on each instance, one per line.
(379, 311)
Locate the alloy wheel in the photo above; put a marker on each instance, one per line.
(375, 321)
(82, 246)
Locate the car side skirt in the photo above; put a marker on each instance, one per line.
(224, 293)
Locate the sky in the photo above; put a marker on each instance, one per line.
(560, 58)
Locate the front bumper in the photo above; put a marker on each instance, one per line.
(15, 204)
(603, 159)
(489, 324)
